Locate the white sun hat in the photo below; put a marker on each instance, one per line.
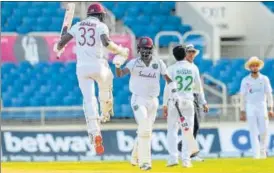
(254, 60)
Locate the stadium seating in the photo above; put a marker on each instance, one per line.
(148, 21)
(44, 89)
(24, 17)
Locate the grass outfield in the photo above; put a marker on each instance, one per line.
(239, 165)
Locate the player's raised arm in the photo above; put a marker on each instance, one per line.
(65, 37)
(122, 72)
(59, 47)
(64, 40)
(113, 47)
(108, 43)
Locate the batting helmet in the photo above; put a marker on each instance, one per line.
(145, 42)
(145, 48)
(95, 8)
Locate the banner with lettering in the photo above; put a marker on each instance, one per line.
(226, 141)
(35, 48)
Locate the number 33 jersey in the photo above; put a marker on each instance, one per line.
(89, 47)
(187, 77)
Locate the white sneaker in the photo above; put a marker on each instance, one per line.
(197, 158)
(171, 163)
(187, 164)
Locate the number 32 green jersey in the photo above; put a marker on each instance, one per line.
(187, 77)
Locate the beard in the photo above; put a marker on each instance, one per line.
(254, 71)
(146, 58)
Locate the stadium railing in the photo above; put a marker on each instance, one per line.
(222, 94)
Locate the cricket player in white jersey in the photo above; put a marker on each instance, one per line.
(256, 106)
(144, 84)
(187, 76)
(91, 36)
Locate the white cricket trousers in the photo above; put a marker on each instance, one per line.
(88, 74)
(257, 119)
(145, 111)
(173, 125)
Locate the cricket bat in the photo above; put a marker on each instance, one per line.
(67, 22)
(191, 142)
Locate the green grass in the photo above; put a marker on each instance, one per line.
(239, 165)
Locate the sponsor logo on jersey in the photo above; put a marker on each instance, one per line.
(140, 66)
(149, 75)
(155, 66)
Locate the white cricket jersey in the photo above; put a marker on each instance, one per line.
(145, 81)
(255, 90)
(89, 47)
(187, 76)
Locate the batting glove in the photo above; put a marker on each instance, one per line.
(123, 51)
(118, 61)
(174, 96)
(58, 52)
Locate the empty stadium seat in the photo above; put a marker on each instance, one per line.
(25, 17)
(133, 11)
(118, 12)
(157, 14)
(109, 4)
(44, 89)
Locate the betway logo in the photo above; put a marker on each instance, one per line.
(159, 141)
(126, 142)
(46, 143)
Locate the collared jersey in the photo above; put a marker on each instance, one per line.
(145, 81)
(89, 47)
(187, 76)
(255, 90)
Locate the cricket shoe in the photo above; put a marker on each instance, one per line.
(98, 144)
(145, 167)
(187, 164)
(172, 163)
(134, 161)
(197, 159)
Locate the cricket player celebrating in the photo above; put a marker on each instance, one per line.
(144, 84)
(255, 91)
(187, 76)
(91, 36)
